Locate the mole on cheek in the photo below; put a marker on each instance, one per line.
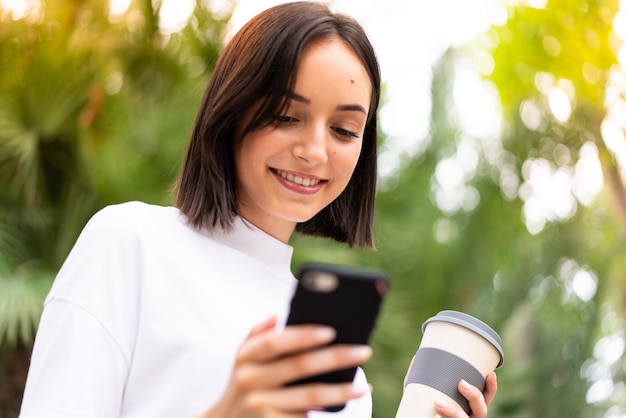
(351, 81)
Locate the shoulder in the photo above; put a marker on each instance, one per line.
(133, 212)
(132, 217)
(115, 240)
(128, 224)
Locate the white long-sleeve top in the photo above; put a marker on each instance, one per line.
(146, 315)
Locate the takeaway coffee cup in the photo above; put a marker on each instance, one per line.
(454, 346)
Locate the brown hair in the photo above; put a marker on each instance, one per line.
(258, 67)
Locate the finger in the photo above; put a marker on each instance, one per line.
(305, 398)
(298, 366)
(475, 398)
(270, 345)
(491, 387)
(447, 409)
(321, 361)
(261, 327)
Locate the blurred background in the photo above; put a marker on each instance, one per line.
(503, 162)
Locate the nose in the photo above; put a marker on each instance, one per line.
(311, 146)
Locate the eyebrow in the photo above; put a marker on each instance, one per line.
(341, 108)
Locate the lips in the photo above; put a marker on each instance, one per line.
(299, 180)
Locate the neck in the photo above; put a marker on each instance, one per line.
(279, 229)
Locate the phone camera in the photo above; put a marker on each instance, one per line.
(317, 281)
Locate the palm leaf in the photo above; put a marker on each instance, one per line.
(22, 293)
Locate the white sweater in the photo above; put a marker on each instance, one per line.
(146, 314)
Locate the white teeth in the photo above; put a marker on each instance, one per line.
(303, 181)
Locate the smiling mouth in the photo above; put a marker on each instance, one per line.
(302, 181)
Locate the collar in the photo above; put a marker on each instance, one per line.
(256, 243)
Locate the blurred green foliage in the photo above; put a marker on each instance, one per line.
(93, 111)
(96, 110)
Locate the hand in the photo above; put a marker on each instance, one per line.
(268, 359)
(478, 400)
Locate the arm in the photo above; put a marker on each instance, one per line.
(76, 368)
(81, 356)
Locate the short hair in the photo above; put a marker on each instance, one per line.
(258, 67)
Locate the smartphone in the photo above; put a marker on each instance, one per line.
(347, 298)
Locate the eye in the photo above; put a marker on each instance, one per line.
(281, 119)
(346, 133)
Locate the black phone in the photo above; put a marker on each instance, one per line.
(347, 298)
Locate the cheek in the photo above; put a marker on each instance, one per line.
(353, 158)
(346, 163)
(248, 150)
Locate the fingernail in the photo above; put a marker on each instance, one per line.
(325, 333)
(441, 404)
(361, 351)
(358, 390)
(361, 388)
(466, 385)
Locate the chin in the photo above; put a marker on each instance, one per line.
(300, 218)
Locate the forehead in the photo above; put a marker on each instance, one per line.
(332, 66)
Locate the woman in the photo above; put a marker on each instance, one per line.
(178, 311)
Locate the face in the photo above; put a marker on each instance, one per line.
(291, 169)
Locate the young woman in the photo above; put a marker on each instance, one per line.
(178, 311)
